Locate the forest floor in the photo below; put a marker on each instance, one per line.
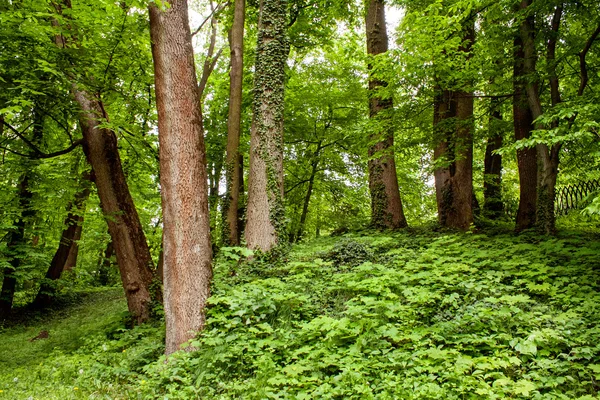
(408, 315)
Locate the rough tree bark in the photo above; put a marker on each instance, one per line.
(526, 158)
(231, 234)
(67, 247)
(186, 234)
(453, 127)
(101, 150)
(386, 205)
(492, 171)
(265, 227)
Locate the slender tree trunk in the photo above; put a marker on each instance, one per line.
(492, 173)
(386, 205)
(183, 177)
(265, 227)
(17, 237)
(311, 181)
(231, 234)
(241, 208)
(67, 243)
(15, 248)
(526, 158)
(105, 264)
(124, 226)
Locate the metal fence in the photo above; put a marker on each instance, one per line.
(572, 197)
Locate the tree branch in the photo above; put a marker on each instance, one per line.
(37, 153)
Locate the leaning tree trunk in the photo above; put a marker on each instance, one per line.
(186, 233)
(386, 205)
(101, 150)
(527, 157)
(66, 247)
(231, 235)
(492, 171)
(265, 227)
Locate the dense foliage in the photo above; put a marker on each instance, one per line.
(421, 315)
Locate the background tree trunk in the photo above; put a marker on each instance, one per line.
(492, 174)
(231, 235)
(186, 234)
(265, 227)
(67, 245)
(386, 205)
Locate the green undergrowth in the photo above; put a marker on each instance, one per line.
(408, 315)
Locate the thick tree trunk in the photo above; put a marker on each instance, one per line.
(547, 157)
(231, 234)
(453, 128)
(183, 177)
(386, 205)
(124, 226)
(492, 170)
(526, 158)
(66, 247)
(265, 227)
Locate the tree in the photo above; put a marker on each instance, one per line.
(234, 177)
(186, 230)
(386, 205)
(265, 228)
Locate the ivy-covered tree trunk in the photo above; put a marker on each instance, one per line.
(492, 171)
(231, 234)
(527, 157)
(187, 253)
(265, 227)
(453, 154)
(386, 205)
(66, 247)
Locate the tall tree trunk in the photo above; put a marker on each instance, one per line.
(526, 158)
(547, 157)
(124, 226)
(265, 227)
(105, 264)
(187, 251)
(66, 246)
(231, 234)
(386, 205)
(492, 171)
(453, 126)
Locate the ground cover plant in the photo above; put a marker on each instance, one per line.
(412, 315)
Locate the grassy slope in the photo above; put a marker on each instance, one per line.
(408, 315)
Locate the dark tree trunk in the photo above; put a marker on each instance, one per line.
(231, 233)
(15, 248)
(492, 173)
(265, 227)
(187, 250)
(105, 264)
(66, 247)
(526, 158)
(311, 181)
(386, 205)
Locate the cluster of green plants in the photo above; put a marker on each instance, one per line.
(415, 314)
